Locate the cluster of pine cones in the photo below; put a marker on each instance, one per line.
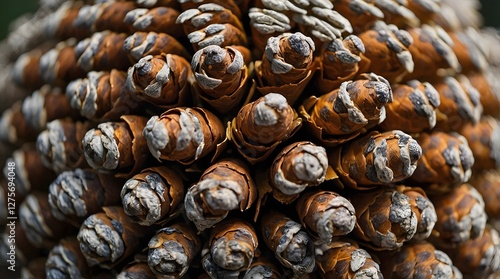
(251, 139)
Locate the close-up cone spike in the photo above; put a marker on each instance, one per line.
(342, 114)
(172, 249)
(346, 133)
(287, 66)
(225, 186)
(326, 215)
(344, 259)
(222, 76)
(261, 125)
(375, 159)
(289, 241)
(153, 195)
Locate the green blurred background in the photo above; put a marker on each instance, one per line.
(9, 10)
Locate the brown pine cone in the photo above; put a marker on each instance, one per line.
(488, 92)
(59, 65)
(343, 114)
(60, 24)
(287, 66)
(343, 259)
(163, 80)
(376, 159)
(34, 269)
(461, 216)
(77, 194)
(479, 257)
(104, 16)
(206, 14)
(60, 145)
(487, 183)
(237, 7)
(223, 187)
(299, 165)
(468, 52)
(141, 44)
(339, 63)
(484, 141)
(153, 195)
(264, 268)
(136, 269)
(171, 250)
(158, 3)
(231, 248)
(266, 23)
(217, 34)
(183, 134)
(291, 244)
(261, 125)
(26, 70)
(326, 215)
(419, 260)
(157, 19)
(446, 161)
(66, 260)
(413, 108)
(222, 76)
(102, 96)
(117, 146)
(109, 237)
(360, 13)
(385, 218)
(14, 126)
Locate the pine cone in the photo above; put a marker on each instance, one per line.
(217, 34)
(137, 269)
(326, 215)
(261, 125)
(183, 134)
(14, 126)
(142, 44)
(205, 15)
(172, 249)
(289, 241)
(376, 159)
(488, 92)
(237, 7)
(343, 259)
(487, 183)
(60, 24)
(104, 16)
(59, 65)
(66, 260)
(287, 66)
(117, 146)
(223, 187)
(264, 268)
(153, 195)
(266, 23)
(343, 114)
(157, 19)
(26, 70)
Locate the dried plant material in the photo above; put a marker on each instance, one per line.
(386, 52)
(42, 229)
(487, 183)
(158, 3)
(183, 134)
(153, 195)
(261, 125)
(289, 241)
(413, 107)
(479, 257)
(461, 216)
(26, 70)
(158, 19)
(223, 187)
(343, 259)
(136, 269)
(14, 126)
(287, 66)
(231, 248)
(385, 218)
(34, 269)
(360, 13)
(77, 194)
(446, 161)
(425, 10)
(60, 23)
(206, 14)
(264, 268)
(432, 53)
(484, 141)
(376, 159)
(326, 215)
(266, 23)
(298, 166)
(172, 249)
(47, 104)
(117, 146)
(101, 96)
(59, 65)
(220, 34)
(460, 103)
(423, 208)
(489, 96)
(141, 44)
(343, 114)
(237, 7)
(66, 260)
(109, 237)
(60, 145)
(102, 51)
(468, 52)
(339, 63)
(29, 172)
(222, 76)
(163, 80)
(104, 16)
(419, 260)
